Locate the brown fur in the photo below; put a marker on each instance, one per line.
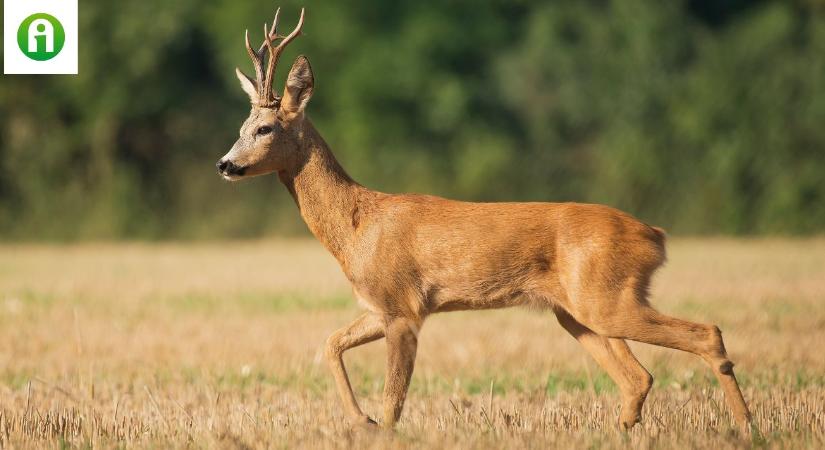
(409, 256)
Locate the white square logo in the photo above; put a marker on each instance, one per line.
(40, 36)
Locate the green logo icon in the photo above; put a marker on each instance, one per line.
(41, 37)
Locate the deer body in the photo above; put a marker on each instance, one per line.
(420, 254)
(408, 256)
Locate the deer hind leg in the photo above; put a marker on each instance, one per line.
(615, 357)
(366, 328)
(634, 319)
(402, 344)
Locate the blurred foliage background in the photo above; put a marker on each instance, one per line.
(705, 117)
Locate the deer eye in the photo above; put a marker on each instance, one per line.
(264, 130)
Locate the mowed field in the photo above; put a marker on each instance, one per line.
(220, 345)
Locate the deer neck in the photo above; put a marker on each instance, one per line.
(326, 196)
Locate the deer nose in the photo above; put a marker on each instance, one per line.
(226, 167)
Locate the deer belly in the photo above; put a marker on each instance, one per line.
(469, 296)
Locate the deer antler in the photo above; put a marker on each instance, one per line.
(266, 97)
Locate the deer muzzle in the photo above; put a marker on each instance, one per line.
(228, 169)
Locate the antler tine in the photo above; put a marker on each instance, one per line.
(275, 53)
(258, 57)
(256, 60)
(292, 35)
(270, 70)
(273, 32)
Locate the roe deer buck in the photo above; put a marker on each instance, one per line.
(409, 256)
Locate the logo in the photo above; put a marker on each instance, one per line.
(41, 37)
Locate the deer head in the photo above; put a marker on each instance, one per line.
(269, 138)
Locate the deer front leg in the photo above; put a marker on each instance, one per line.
(402, 343)
(366, 328)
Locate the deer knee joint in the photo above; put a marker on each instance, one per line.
(332, 349)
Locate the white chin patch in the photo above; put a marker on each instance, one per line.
(232, 177)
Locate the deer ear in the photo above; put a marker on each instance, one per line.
(248, 85)
(299, 85)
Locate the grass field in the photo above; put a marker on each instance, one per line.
(219, 344)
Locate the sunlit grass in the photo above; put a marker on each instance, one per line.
(215, 345)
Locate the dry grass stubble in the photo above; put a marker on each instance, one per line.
(218, 345)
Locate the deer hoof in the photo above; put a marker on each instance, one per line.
(364, 422)
(627, 423)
